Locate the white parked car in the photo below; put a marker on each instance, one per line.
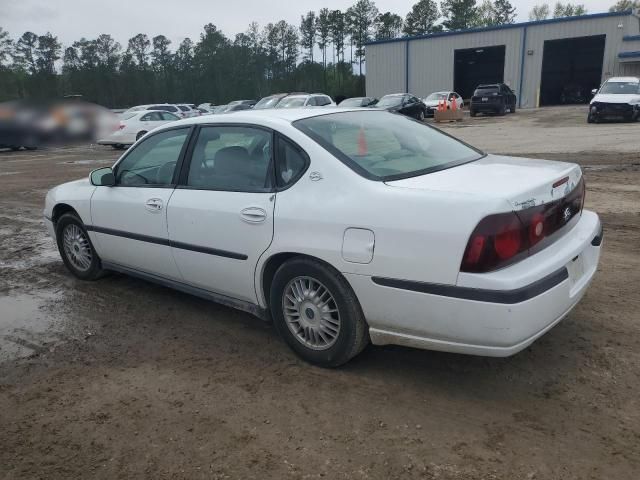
(618, 97)
(313, 100)
(433, 100)
(134, 125)
(187, 110)
(343, 227)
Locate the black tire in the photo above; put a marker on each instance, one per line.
(140, 135)
(353, 334)
(15, 149)
(420, 117)
(590, 118)
(472, 113)
(513, 108)
(502, 110)
(94, 270)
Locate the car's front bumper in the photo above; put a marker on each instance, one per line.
(614, 110)
(495, 314)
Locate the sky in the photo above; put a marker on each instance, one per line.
(72, 19)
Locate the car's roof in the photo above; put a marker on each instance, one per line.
(623, 79)
(288, 115)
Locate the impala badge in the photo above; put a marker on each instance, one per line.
(566, 214)
(315, 176)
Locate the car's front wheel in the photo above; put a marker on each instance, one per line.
(421, 115)
(76, 249)
(316, 312)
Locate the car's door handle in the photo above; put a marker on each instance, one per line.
(154, 205)
(253, 214)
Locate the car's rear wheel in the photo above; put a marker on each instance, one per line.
(502, 110)
(15, 149)
(472, 113)
(421, 115)
(140, 135)
(76, 249)
(316, 312)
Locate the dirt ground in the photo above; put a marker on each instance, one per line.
(124, 379)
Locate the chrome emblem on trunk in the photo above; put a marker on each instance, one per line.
(566, 214)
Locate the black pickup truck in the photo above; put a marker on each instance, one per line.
(494, 98)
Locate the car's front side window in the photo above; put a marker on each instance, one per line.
(153, 161)
(232, 158)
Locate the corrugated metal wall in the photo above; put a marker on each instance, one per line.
(431, 59)
(386, 67)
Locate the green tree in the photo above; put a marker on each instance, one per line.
(6, 46)
(458, 14)
(486, 14)
(388, 25)
(624, 5)
(108, 51)
(539, 12)
(361, 19)
(308, 34)
(323, 29)
(47, 53)
(504, 12)
(24, 55)
(568, 10)
(338, 32)
(139, 46)
(422, 18)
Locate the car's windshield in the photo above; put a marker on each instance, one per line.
(351, 102)
(383, 146)
(622, 88)
(267, 102)
(390, 101)
(292, 102)
(437, 96)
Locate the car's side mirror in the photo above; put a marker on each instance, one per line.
(103, 177)
(594, 91)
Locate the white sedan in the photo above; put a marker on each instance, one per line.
(341, 226)
(134, 125)
(433, 100)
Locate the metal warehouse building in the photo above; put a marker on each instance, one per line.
(538, 60)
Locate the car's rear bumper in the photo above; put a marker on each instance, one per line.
(494, 314)
(486, 107)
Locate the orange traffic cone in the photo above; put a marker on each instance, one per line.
(362, 143)
(454, 105)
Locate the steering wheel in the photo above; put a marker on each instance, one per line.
(129, 174)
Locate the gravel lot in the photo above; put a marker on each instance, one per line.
(124, 379)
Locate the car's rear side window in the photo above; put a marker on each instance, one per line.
(384, 146)
(232, 158)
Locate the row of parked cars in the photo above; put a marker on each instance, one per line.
(137, 121)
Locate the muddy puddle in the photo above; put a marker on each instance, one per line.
(27, 324)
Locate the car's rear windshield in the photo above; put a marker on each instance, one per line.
(292, 102)
(384, 146)
(488, 90)
(622, 88)
(127, 116)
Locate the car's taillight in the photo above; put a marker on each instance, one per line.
(121, 126)
(505, 238)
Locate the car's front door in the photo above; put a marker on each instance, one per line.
(129, 219)
(220, 217)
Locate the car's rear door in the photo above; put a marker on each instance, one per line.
(129, 219)
(220, 217)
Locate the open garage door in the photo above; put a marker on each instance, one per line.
(475, 66)
(571, 68)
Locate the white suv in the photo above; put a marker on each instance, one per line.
(618, 97)
(313, 100)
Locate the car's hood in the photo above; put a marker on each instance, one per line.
(524, 182)
(616, 98)
(431, 103)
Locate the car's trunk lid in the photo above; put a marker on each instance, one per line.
(523, 182)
